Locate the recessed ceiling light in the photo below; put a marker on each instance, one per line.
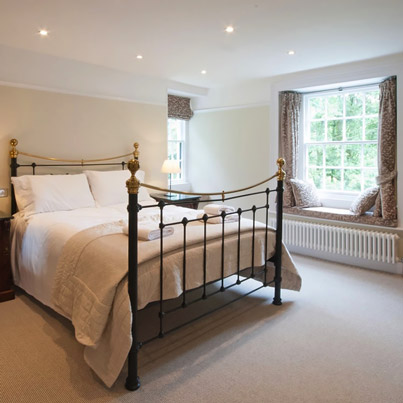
(204, 72)
(43, 32)
(291, 52)
(229, 29)
(139, 57)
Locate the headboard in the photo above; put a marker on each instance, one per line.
(53, 163)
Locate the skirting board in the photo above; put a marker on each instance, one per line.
(395, 268)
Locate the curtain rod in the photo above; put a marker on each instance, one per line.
(340, 89)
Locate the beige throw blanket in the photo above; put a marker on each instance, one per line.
(89, 289)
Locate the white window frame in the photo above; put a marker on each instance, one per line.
(183, 161)
(329, 198)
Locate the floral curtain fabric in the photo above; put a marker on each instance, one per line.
(290, 108)
(179, 107)
(385, 205)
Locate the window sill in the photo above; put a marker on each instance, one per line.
(329, 213)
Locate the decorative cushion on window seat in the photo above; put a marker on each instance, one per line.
(364, 201)
(305, 193)
(329, 213)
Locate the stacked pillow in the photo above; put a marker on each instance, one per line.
(46, 193)
(109, 187)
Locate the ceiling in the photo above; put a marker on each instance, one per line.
(179, 38)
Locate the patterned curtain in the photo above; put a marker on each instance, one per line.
(385, 205)
(290, 107)
(179, 107)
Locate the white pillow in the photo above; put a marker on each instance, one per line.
(46, 193)
(22, 191)
(109, 187)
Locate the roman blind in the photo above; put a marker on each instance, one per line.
(179, 107)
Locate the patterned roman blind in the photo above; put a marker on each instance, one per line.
(179, 107)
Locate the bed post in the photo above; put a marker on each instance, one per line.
(279, 232)
(132, 184)
(13, 166)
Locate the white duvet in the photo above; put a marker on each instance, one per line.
(37, 241)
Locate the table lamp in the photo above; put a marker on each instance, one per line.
(170, 167)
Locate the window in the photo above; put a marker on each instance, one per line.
(340, 140)
(176, 146)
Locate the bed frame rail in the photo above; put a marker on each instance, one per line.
(133, 185)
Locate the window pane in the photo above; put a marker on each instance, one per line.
(352, 155)
(372, 102)
(371, 128)
(354, 129)
(315, 156)
(370, 155)
(316, 175)
(317, 108)
(333, 179)
(335, 130)
(335, 106)
(172, 129)
(354, 104)
(333, 156)
(172, 150)
(317, 131)
(352, 180)
(369, 178)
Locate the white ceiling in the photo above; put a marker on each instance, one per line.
(179, 38)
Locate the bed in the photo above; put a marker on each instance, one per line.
(89, 262)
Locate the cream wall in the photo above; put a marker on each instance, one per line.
(73, 126)
(228, 149)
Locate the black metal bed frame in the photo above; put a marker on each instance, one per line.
(133, 185)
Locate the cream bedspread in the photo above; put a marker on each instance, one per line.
(90, 285)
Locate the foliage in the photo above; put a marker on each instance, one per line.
(345, 118)
(335, 130)
(371, 128)
(317, 131)
(354, 104)
(353, 129)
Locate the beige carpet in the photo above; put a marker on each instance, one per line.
(339, 340)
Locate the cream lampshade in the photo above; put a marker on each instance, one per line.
(170, 167)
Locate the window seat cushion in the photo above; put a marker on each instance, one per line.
(329, 213)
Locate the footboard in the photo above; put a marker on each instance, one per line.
(261, 271)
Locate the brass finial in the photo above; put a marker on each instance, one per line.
(280, 172)
(136, 150)
(13, 151)
(133, 165)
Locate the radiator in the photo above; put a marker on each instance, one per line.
(365, 248)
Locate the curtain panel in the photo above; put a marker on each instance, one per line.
(386, 202)
(290, 103)
(179, 107)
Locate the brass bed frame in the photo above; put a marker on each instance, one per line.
(133, 185)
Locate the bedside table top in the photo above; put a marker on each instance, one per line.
(174, 197)
(4, 216)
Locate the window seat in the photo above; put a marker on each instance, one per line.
(329, 213)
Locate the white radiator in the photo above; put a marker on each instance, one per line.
(373, 249)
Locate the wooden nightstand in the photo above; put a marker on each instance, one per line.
(178, 200)
(6, 282)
